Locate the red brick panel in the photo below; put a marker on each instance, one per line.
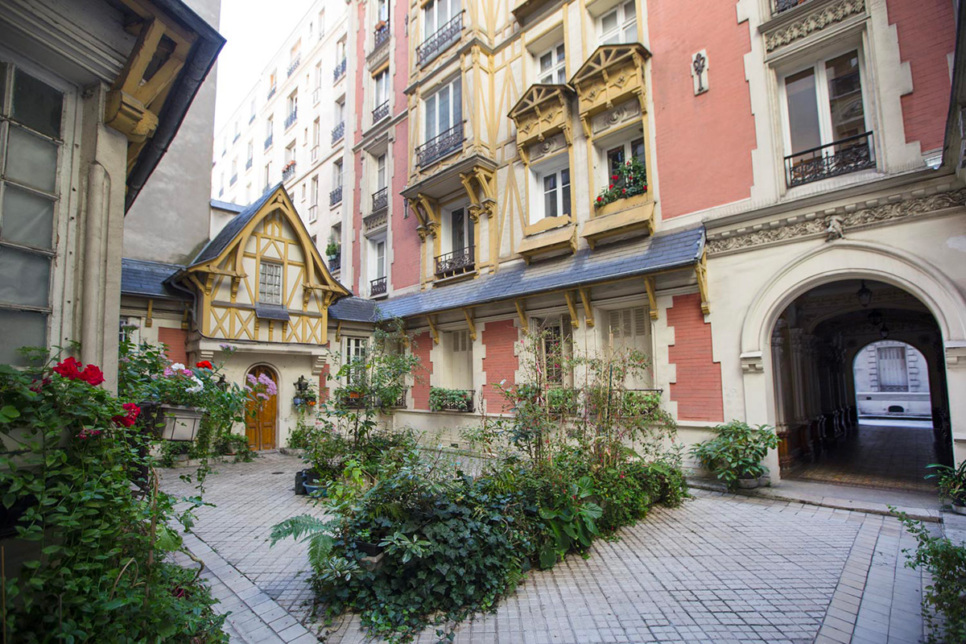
(422, 345)
(500, 362)
(927, 32)
(697, 389)
(175, 340)
(703, 143)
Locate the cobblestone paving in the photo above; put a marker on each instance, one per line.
(718, 569)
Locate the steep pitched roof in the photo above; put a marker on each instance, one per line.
(221, 241)
(148, 279)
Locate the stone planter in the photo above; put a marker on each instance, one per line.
(958, 509)
(752, 483)
(180, 423)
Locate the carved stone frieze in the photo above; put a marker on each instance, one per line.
(547, 146)
(817, 225)
(623, 113)
(812, 22)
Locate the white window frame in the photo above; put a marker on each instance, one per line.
(431, 15)
(337, 174)
(556, 74)
(271, 283)
(380, 84)
(624, 22)
(380, 172)
(553, 166)
(447, 229)
(354, 348)
(431, 103)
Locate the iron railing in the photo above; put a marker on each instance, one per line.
(248, 164)
(338, 132)
(339, 70)
(840, 157)
(291, 118)
(380, 38)
(233, 179)
(268, 141)
(440, 146)
(335, 196)
(458, 261)
(780, 6)
(439, 41)
(294, 65)
(381, 112)
(335, 262)
(378, 286)
(380, 200)
(288, 172)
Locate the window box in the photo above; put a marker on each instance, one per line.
(621, 218)
(555, 241)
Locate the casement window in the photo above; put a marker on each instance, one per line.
(31, 151)
(556, 192)
(458, 373)
(321, 23)
(356, 350)
(619, 25)
(617, 155)
(337, 174)
(436, 13)
(444, 109)
(340, 51)
(382, 11)
(129, 330)
(268, 174)
(250, 155)
(318, 80)
(339, 112)
(552, 66)
(891, 368)
(270, 283)
(289, 153)
(381, 86)
(380, 172)
(269, 127)
(461, 230)
(292, 104)
(314, 192)
(378, 259)
(826, 133)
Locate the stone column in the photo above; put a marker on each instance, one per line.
(781, 395)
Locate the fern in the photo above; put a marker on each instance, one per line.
(296, 527)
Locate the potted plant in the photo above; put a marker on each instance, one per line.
(627, 182)
(332, 249)
(952, 484)
(735, 454)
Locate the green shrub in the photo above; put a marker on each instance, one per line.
(442, 399)
(952, 481)
(736, 452)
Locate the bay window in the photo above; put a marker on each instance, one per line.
(619, 25)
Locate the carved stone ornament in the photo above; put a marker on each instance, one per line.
(627, 111)
(833, 228)
(792, 228)
(547, 146)
(815, 21)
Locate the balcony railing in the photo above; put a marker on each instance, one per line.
(381, 112)
(841, 157)
(335, 196)
(780, 6)
(378, 286)
(268, 141)
(291, 118)
(294, 65)
(335, 262)
(288, 172)
(234, 178)
(339, 70)
(248, 164)
(380, 200)
(439, 41)
(459, 261)
(271, 92)
(338, 132)
(381, 37)
(439, 146)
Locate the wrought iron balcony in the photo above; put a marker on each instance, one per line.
(380, 200)
(335, 262)
(291, 118)
(440, 146)
(289, 171)
(459, 261)
(381, 112)
(338, 132)
(841, 157)
(339, 70)
(271, 92)
(781, 6)
(335, 196)
(381, 37)
(268, 141)
(294, 65)
(234, 178)
(439, 41)
(248, 164)
(378, 286)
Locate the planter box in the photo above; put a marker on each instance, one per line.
(619, 219)
(180, 423)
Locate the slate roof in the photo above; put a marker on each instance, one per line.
(676, 249)
(226, 205)
(224, 237)
(141, 277)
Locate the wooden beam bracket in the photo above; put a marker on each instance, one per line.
(433, 331)
(588, 310)
(470, 323)
(522, 313)
(701, 272)
(651, 296)
(149, 320)
(574, 320)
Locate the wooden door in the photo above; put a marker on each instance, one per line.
(261, 418)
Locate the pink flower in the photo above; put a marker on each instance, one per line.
(168, 372)
(263, 396)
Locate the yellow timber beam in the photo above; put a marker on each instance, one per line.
(574, 320)
(701, 272)
(149, 320)
(522, 313)
(588, 311)
(651, 297)
(433, 331)
(470, 323)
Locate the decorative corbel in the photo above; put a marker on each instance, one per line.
(338, 331)
(588, 311)
(470, 323)
(235, 283)
(149, 320)
(574, 320)
(701, 272)
(522, 314)
(651, 297)
(186, 317)
(433, 331)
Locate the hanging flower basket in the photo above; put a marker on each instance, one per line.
(180, 423)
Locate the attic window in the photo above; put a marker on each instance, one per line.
(270, 283)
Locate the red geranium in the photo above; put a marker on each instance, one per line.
(69, 368)
(204, 364)
(92, 375)
(128, 420)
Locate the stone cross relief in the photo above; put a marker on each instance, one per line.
(699, 71)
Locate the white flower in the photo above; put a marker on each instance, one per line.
(198, 388)
(177, 366)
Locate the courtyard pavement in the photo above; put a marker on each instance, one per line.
(720, 568)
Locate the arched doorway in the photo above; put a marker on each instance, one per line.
(834, 428)
(261, 420)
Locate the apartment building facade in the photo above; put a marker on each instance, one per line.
(290, 127)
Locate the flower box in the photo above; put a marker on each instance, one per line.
(621, 218)
(180, 423)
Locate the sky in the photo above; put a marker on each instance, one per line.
(254, 29)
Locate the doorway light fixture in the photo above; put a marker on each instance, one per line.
(875, 317)
(884, 332)
(864, 295)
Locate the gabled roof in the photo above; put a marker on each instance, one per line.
(221, 241)
(147, 279)
(608, 57)
(539, 93)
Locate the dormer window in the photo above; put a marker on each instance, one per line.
(619, 25)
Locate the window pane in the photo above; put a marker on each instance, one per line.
(27, 218)
(444, 114)
(457, 88)
(430, 117)
(608, 22)
(37, 105)
(546, 61)
(637, 149)
(24, 277)
(845, 96)
(3, 87)
(565, 191)
(459, 230)
(560, 54)
(615, 157)
(802, 111)
(31, 160)
(550, 195)
(21, 329)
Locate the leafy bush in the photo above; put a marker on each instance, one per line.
(74, 467)
(442, 399)
(944, 601)
(736, 451)
(952, 481)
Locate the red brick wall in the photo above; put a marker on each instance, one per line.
(927, 32)
(703, 143)
(500, 363)
(422, 344)
(175, 340)
(697, 389)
